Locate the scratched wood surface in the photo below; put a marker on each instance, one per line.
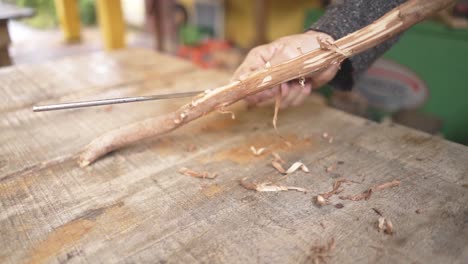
(133, 206)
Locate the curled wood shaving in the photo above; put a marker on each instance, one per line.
(224, 111)
(195, 174)
(325, 44)
(278, 166)
(324, 135)
(320, 200)
(385, 225)
(322, 253)
(269, 187)
(335, 190)
(329, 168)
(257, 152)
(277, 107)
(367, 193)
(294, 167)
(297, 165)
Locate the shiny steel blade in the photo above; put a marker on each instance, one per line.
(41, 108)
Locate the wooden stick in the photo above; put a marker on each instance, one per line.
(391, 24)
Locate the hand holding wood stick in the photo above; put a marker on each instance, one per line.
(394, 22)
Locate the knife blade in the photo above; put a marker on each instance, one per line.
(123, 100)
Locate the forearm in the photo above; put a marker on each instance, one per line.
(346, 17)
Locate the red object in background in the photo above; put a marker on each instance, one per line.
(201, 54)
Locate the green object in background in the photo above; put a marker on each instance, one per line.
(45, 13)
(439, 56)
(87, 12)
(190, 35)
(46, 16)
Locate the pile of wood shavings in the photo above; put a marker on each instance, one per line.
(196, 174)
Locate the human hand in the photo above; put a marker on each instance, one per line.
(281, 50)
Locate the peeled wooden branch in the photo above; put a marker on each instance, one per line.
(394, 22)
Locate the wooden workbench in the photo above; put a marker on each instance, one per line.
(133, 206)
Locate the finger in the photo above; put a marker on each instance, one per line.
(318, 79)
(305, 92)
(267, 97)
(294, 91)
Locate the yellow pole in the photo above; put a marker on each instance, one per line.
(111, 22)
(69, 18)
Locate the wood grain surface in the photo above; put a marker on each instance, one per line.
(133, 205)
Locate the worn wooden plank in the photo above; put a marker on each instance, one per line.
(32, 84)
(133, 205)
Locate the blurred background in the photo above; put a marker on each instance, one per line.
(419, 83)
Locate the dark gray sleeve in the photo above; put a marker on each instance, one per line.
(345, 17)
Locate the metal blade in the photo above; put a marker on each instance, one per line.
(41, 108)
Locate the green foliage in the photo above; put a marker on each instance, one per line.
(46, 16)
(88, 12)
(45, 13)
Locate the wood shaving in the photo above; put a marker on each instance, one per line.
(325, 135)
(257, 152)
(377, 211)
(387, 185)
(320, 200)
(269, 187)
(330, 168)
(297, 165)
(302, 82)
(294, 167)
(278, 166)
(335, 190)
(277, 107)
(195, 174)
(385, 225)
(367, 193)
(224, 111)
(322, 253)
(278, 158)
